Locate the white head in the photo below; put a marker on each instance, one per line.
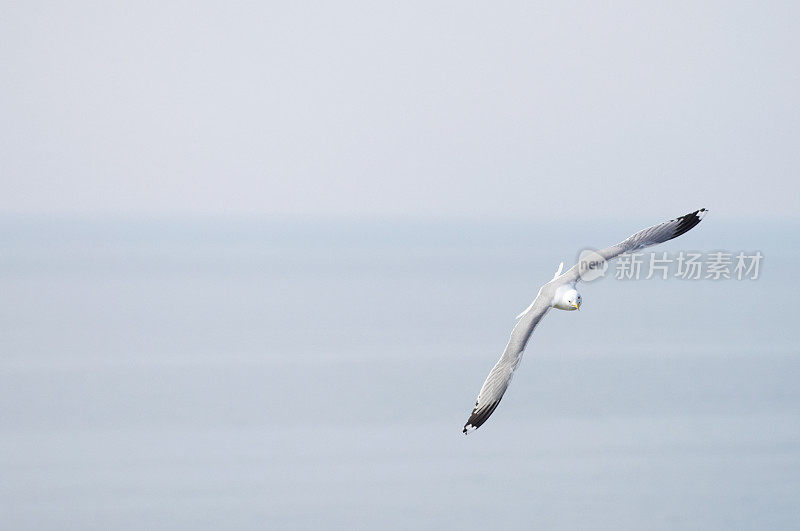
(567, 298)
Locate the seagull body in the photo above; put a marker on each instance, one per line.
(561, 293)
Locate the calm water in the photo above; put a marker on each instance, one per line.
(202, 374)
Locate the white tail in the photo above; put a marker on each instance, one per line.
(526, 310)
(558, 273)
(560, 269)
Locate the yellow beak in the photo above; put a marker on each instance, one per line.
(576, 306)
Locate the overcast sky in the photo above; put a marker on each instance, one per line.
(419, 109)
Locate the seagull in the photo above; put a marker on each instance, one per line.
(561, 293)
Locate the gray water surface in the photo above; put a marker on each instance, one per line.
(304, 375)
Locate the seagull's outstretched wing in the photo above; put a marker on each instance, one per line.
(644, 238)
(500, 376)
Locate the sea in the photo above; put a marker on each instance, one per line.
(262, 373)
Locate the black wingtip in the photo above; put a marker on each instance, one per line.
(688, 221)
(478, 417)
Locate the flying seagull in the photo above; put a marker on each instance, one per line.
(561, 293)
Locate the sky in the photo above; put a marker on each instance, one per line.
(517, 110)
